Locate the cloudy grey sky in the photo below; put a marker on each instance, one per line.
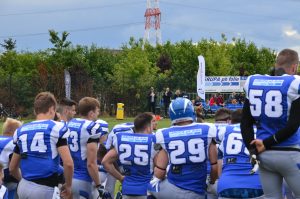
(110, 23)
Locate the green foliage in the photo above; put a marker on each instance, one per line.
(9, 44)
(122, 75)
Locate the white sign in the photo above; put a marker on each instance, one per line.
(214, 84)
(67, 84)
(201, 77)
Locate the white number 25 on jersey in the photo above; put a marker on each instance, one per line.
(273, 103)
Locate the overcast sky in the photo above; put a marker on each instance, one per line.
(110, 23)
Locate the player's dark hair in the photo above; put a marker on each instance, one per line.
(43, 102)
(142, 121)
(222, 115)
(286, 58)
(87, 104)
(236, 116)
(67, 102)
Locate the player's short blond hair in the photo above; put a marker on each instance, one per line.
(10, 125)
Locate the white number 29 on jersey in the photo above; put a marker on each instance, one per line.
(195, 149)
(273, 103)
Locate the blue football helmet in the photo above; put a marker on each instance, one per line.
(181, 109)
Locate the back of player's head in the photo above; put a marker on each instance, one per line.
(43, 102)
(236, 116)
(180, 110)
(65, 102)
(9, 126)
(142, 121)
(286, 58)
(223, 115)
(87, 104)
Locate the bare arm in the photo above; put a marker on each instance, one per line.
(14, 166)
(161, 161)
(67, 160)
(92, 162)
(108, 162)
(213, 157)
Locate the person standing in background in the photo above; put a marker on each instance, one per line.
(167, 100)
(151, 100)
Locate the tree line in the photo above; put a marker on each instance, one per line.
(124, 75)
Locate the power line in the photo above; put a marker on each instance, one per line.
(226, 11)
(73, 30)
(68, 9)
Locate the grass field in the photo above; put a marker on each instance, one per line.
(112, 121)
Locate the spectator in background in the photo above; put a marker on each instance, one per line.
(220, 100)
(177, 94)
(231, 98)
(213, 100)
(184, 95)
(151, 100)
(240, 98)
(167, 100)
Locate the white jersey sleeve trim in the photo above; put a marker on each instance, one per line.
(160, 138)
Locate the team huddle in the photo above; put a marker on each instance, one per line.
(244, 154)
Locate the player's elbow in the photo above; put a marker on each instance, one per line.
(69, 165)
(105, 164)
(91, 164)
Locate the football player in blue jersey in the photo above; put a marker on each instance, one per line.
(84, 137)
(123, 127)
(272, 104)
(38, 147)
(6, 150)
(66, 109)
(185, 147)
(3, 189)
(236, 181)
(222, 119)
(135, 151)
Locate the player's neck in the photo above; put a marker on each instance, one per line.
(87, 118)
(183, 123)
(44, 116)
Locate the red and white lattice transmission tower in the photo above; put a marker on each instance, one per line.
(152, 16)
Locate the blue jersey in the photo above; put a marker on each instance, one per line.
(270, 100)
(187, 148)
(236, 163)
(81, 130)
(220, 130)
(124, 127)
(3, 192)
(37, 144)
(136, 152)
(6, 149)
(104, 126)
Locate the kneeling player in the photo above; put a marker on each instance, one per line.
(185, 148)
(236, 180)
(135, 151)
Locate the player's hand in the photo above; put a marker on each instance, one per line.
(103, 193)
(154, 184)
(255, 163)
(212, 188)
(260, 147)
(65, 191)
